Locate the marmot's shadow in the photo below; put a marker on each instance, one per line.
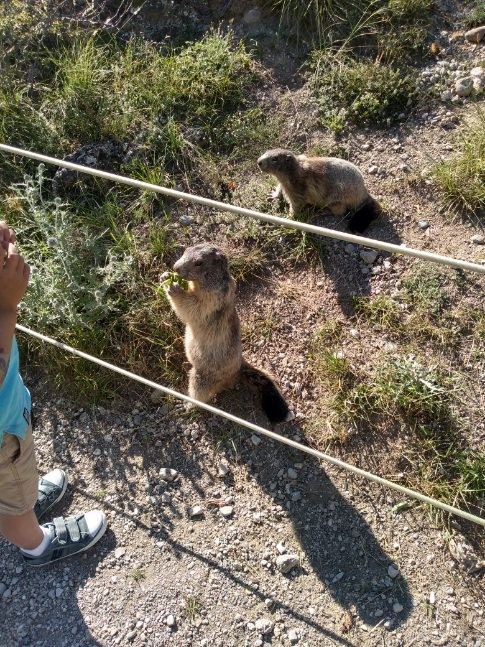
(350, 266)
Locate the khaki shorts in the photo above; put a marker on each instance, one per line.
(19, 480)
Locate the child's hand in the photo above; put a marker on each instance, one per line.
(14, 277)
(7, 236)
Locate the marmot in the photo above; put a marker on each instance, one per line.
(212, 333)
(327, 182)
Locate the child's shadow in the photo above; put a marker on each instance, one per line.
(338, 544)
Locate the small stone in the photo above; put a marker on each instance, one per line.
(446, 96)
(168, 474)
(281, 548)
(131, 635)
(423, 224)
(475, 35)
(392, 571)
(119, 552)
(185, 220)
(166, 498)
(226, 510)
(59, 592)
(464, 86)
(264, 626)
(170, 620)
(292, 473)
(7, 593)
(293, 636)
(97, 452)
(252, 16)
(397, 607)
(255, 439)
(195, 511)
(286, 562)
(478, 239)
(378, 613)
(477, 71)
(478, 83)
(369, 256)
(3, 588)
(432, 597)
(373, 169)
(223, 469)
(157, 396)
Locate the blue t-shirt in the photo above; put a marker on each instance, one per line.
(15, 401)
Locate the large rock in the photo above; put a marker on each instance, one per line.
(106, 156)
(475, 35)
(464, 86)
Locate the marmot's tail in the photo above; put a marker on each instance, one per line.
(364, 215)
(272, 401)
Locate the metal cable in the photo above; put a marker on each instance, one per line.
(260, 430)
(275, 220)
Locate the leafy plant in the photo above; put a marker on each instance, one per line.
(359, 91)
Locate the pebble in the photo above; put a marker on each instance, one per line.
(293, 636)
(446, 95)
(3, 588)
(281, 548)
(252, 16)
(373, 169)
(423, 224)
(392, 571)
(397, 607)
(226, 510)
(264, 626)
(119, 552)
(168, 474)
(255, 439)
(195, 511)
(478, 239)
(223, 469)
(292, 473)
(170, 620)
(475, 35)
(369, 256)
(285, 563)
(131, 635)
(166, 497)
(464, 86)
(97, 452)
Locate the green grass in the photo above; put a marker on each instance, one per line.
(192, 608)
(360, 91)
(476, 17)
(461, 179)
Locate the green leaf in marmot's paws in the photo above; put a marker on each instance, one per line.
(175, 278)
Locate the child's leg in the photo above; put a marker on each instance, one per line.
(18, 492)
(23, 530)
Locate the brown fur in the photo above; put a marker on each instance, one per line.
(212, 333)
(328, 182)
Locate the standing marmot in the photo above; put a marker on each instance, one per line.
(327, 182)
(212, 333)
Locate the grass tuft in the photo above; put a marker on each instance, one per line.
(461, 179)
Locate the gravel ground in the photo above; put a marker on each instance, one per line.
(358, 572)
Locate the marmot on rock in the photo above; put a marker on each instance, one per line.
(327, 182)
(212, 333)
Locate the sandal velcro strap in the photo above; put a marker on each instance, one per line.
(72, 526)
(61, 530)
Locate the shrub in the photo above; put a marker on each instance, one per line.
(360, 91)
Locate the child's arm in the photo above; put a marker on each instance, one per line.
(14, 277)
